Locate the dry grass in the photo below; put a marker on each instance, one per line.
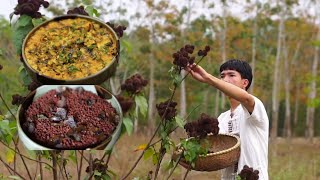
(295, 160)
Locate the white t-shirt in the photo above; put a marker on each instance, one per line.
(253, 130)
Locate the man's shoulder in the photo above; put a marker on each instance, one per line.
(223, 115)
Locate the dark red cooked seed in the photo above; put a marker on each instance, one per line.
(86, 109)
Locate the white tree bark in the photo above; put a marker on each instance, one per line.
(152, 97)
(313, 92)
(254, 44)
(287, 121)
(276, 79)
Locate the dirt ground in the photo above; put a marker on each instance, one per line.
(293, 159)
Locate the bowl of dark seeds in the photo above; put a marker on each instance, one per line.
(70, 117)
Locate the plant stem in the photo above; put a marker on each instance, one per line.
(75, 152)
(189, 72)
(23, 155)
(7, 166)
(54, 165)
(24, 163)
(4, 102)
(35, 174)
(175, 166)
(163, 152)
(90, 165)
(154, 134)
(185, 176)
(80, 168)
(41, 170)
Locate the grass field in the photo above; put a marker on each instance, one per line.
(295, 159)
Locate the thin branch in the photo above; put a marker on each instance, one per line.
(5, 104)
(163, 152)
(24, 163)
(63, 165)
(80, 168)
(7, 166)
(90, 166)
(175, 166)
(75, 152)
(84, 157)
(185, 176)
(154, 134)
(54, 165)
(189, 72)
(41, 170)
(35, 174)
(24, 155)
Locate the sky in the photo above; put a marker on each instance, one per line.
(6, 7)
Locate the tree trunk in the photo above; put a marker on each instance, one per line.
(296, 105)
(287, 121)
(152, 97)
(223, 48)
(254, 50)
(313, 92)
(276, 80)
(183, 101)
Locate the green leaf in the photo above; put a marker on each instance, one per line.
(97, 173)
(112, 173)
(316, 43)
(72, 156)
(142, 104)
(24, 76)
(148, 153)
(14, 177)
(4, 127)
(92, 11)
(177, 79)
(23, 21)
(127, 45)
(22, 27)
(168, 166)
(128, 124)
(106, 177)
(37, 22)
(10, 17)
(180, 121)
(10, 156)
(155, 158)
(1, 52)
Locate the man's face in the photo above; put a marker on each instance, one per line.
(234, 77)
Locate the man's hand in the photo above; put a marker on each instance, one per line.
(198, 73)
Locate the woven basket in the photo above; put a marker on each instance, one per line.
(226, 152)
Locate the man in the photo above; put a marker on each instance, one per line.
(247, 116)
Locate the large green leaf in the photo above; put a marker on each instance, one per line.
(142, 104)
(180, 121)
(148, 153)
(128, 124)
(24, 76)
(22, 27)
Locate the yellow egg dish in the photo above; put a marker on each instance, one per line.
(70, 48)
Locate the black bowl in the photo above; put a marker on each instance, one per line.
(97, 78)
(32, 144)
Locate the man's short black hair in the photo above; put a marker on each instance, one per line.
(240, 66)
